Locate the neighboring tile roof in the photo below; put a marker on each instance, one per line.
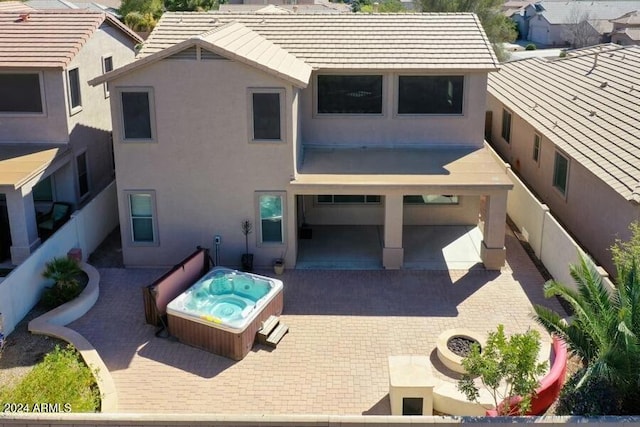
(588, 105)
(563, 12)
(49, 39)
(14, 6)
(233, 41)
(632, 33)
(630, 18)
(66, 4)
(350, 41)
(325, 7)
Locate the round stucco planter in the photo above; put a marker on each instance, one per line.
(448, 358)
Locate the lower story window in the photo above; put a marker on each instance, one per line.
(271, 209)
(142, 216)
(328, 199)
(430, 199)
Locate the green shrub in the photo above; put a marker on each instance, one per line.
(61, 380)
(593, 397)
(530, 46)
(64, 272)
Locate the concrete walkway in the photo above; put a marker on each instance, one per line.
(343, 326)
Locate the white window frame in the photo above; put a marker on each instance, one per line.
(152, 113)
(271, 90)
(154, 217)
(283, 197)
(43, 99)
(74, 110)
(560, 191)
(88, 176)
(537, 145)
(103, 58)
(383, 112)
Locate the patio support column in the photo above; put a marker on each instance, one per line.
(393, 253)
(22, 222)
(492, 251)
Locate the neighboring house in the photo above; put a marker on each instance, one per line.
(55, 129)
(626, 29)
(571, 23)
(297, 121)
(111, 7)
(570, 129)
(319, 7)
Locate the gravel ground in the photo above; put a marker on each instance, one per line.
(23, 350)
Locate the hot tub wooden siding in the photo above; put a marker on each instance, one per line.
(223, 342)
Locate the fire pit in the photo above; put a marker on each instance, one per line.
(453, 345)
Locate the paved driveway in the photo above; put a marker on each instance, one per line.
(343, 326)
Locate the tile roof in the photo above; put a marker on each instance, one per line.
(14, 6)
(562, 12)
(233, 41)
(323, 7)
(350, 41)
(588, 105)
(21, 162)
(46, 39)
(629, 18)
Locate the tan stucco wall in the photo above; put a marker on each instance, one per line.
(90, 128)
(48, 127)
(391, 129)
(592, 211)
(203, 168)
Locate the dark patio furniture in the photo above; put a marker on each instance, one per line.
(49, 222)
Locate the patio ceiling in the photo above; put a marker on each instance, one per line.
(461, 169)
(19, 163)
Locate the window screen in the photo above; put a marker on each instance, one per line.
(20, 93)
(349, 94)
(430, 94)
(136, 115)
(266, 116)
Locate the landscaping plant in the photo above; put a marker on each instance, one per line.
(62, 380)
(64, 272)
(604, 332)
(507, 368)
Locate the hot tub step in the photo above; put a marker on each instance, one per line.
(267, 327)
(275, 337)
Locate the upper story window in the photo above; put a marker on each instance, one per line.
(430, 94)
(20, 93)
(506, 126)
(356, 94)
(75, 98)
(266, 114)
(560, 173)
(138, 119)
(107, 65)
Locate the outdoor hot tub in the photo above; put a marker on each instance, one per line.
(223, 311)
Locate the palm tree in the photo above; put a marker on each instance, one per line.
(605, 327)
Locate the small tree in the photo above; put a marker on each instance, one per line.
(507, 368)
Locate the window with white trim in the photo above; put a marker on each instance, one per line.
(75, 97)
(271, 217)
(536, 148)
(506, 126)
(349, 94)
(21, 93)
(267, 114)
(142, 216)
(83, 174)
(138, 117)
(560, 173)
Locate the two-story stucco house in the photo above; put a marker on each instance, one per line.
(570, 129)
(55, 129)
(300, 121)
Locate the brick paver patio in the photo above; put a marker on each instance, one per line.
(343, 326)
